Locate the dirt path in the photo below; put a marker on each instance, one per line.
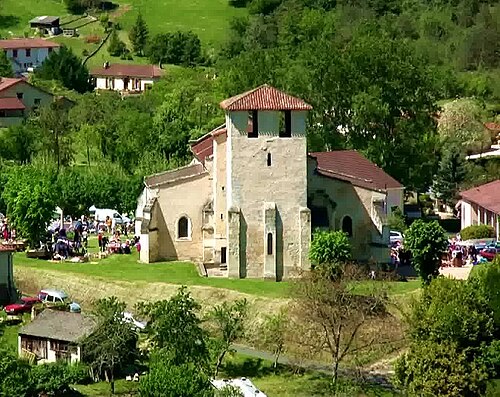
(120, 11)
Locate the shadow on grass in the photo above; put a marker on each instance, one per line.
(7, 21)
(249, 367)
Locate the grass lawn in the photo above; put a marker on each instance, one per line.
(101, 389)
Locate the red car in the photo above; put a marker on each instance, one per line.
(489, 253)
(23, 306)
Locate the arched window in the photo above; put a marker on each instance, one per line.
(183, 227)
(347, 225)
(269, 243)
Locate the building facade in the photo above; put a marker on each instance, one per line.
(243, 207)
(27, 54)
(481, 206)
(125, 78)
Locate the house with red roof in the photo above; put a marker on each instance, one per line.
(125, 78)
(250, 200)
(27, 54)
(481, 206)
(18, 98)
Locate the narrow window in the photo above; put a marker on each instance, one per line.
(28, 52)
(269, 243)
(183, 228)
(50, 50)
(254, 133)
(223, 255)
(2, 113)
(19, 95)
(221, 216)
(347, 225)
(269, 159)
(285, 124)
(223, 188)
(14, 53)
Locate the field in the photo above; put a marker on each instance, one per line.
(207, 18)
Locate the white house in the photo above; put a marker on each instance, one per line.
(26, 54)
(54, 335)
(125, 78)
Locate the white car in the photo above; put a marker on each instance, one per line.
(51, 296)
(396, 236)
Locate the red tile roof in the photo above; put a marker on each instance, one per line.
(204, 146)
(486, 196)
(7, 82)
(174, 175)
(351, 166)
(123, 70)
(264, 98)
(9, 44)
(11, 104)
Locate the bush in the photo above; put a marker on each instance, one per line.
(486, 281)
(328, 250)
(477, 232)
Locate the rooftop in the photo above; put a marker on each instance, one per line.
(11, 104)
(27, 43)
(123, 70)
(45, 20)
(6, 82)
(487, 196)
(353, 167)
(59, 325)
(175, 175)
(264, 97)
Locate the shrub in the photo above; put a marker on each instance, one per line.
(477, 232)
(328, 250)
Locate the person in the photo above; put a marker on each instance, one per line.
(62, 245)
(100, 241)
(109, 223)
(5, 231)
(78, 231)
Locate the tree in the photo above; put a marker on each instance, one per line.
(116, 47)
(427, 242)
(139, 35)
(5, 65)
(451, 174)
(228, 323)
(329, 249)
(31, 199)
(174, 329)
(20, 143)
(113, 343)
(332, 315)
(178, 48)
(13, 374)
(460, 124)
(66, 67)
(272, 334)
(396, 220)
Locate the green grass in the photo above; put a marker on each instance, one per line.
(101, 389)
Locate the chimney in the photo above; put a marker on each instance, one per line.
(106, 65)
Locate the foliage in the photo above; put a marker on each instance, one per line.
(397, 221)
(30, 198)
(13, 375)
(228, 322)
(67, 68)
(486, 281)
(329, 249)
(168, 379)
(116, 47)
(19, 143)
(113, 343)
(427, 241)
(330, 316)
(139, 35)
(451, 174)
(460, 124)
(174, 329)
(477, 232)
(178, 48)
(5, 65)
(229, 391)
(53, 378)
(272, 334)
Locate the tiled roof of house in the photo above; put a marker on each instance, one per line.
(264, 97)
(174, 175)
(11, 104)
(59, 325)
(486, 196)
(351, 166)
(204, 147)
(9, 44)
(123, 70)
(7, 82)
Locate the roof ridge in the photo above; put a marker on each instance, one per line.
(347, 175)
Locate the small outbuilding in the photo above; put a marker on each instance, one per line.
(46, 24)
(54, 335)
(8, 292)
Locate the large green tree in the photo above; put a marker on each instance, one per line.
(138, 35)
(451, 174)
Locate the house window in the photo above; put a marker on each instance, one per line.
(269, 243)
(28, 52)
(2, 113)
(223, 255)
(37, 101)
(183, 227)
(347, 225)
(286, 124)
(223, 188)
(269, 160)
(50, 49)
(19, 95)
(254, 117)
(14, 53)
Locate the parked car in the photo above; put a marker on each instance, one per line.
(489, 253)
(23, 306)
(396, 236)
(101, 214)
(55, 297)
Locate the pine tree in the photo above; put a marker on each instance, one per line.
(5, 65)
(450, 174)
(139, 35)
(116, 47)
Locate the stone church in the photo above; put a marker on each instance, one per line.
(248, 203)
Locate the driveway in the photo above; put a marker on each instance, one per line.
(459, 273)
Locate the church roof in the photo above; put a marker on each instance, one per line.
(175, 175)
(264, 97)
(353, 167)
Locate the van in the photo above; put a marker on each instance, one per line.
(101, 214)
